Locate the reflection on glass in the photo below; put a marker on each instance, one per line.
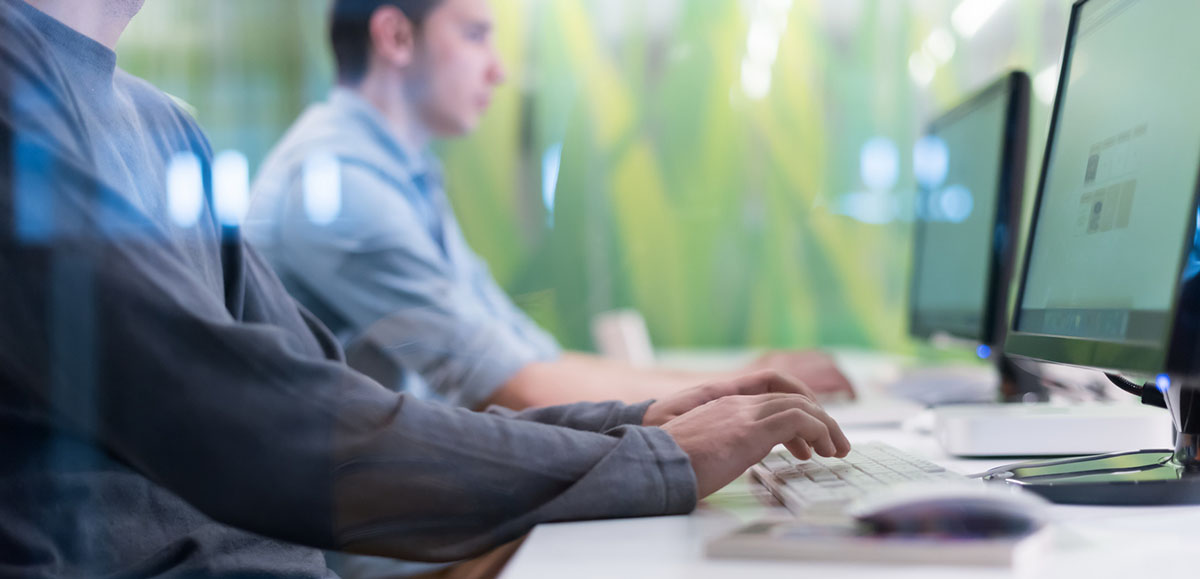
(322, 189)
(870, 207)
(880, 164)
(551, 164)
(34, 209)
(769, 22)
(185, 189)
(931, 162)
(231, 187)
(956, 204)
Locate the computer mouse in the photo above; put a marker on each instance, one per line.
(967, 511)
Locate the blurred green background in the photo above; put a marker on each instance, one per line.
(701, 161)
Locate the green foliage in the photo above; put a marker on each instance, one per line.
(678, 195)
(712, 213)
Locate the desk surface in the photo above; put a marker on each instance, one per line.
(1087, 541)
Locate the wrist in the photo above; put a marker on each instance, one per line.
(639, 414)
(651, 415)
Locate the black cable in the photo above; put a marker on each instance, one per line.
(1126, 385)
(1148, 393)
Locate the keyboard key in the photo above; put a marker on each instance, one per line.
(827, 485)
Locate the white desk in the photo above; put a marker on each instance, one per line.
(1087, 542)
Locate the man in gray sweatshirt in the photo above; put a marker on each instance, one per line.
(167, 410)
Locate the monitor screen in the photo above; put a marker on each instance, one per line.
(958, 211)
(1119, 185)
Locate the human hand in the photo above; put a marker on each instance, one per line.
(816, 369)
(760, 382)
(725, 437)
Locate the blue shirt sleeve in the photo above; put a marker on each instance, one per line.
(531, 333)
(377, 266)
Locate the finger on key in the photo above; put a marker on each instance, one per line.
(791, 421)
(842, 445)
(799, 449)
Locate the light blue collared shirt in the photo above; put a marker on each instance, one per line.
(392, 274)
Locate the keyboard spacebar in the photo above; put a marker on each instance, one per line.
(817, 500)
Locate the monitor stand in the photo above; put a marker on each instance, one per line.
(1019, 384)
(1148, 477)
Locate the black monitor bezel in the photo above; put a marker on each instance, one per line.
(1175, 355)
(1010, 194)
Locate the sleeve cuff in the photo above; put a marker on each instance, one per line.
(633, 415)
(680, 494)
(486, 361)
(489, 375)
(464, 367)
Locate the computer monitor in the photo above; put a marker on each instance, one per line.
(971, 169)
(1110, 277)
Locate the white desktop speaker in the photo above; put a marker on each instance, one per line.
(1036, 430)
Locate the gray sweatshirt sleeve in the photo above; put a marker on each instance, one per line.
(588, 417)
(238, 421)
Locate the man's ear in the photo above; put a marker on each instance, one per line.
(393, 37)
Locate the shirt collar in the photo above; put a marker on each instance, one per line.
(90, 64)
(421, 163)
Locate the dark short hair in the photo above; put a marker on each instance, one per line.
(350, 31)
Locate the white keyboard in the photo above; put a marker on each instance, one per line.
(825, 486)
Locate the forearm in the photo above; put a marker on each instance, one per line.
(578, 378)
(306, 451)
(245, 423)
(589, 416)
(499, 479)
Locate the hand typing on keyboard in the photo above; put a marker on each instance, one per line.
(743, 419)
(824, 486)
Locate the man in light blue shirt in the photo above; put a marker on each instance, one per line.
(351, 212)
(391, 275)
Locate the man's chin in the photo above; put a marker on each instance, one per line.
(458, 130)
(127, 8)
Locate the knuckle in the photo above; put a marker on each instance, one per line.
(728, 405)
(745, 434)
(820, 430)
(812, 426)
(771, 376)
(796, 415)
